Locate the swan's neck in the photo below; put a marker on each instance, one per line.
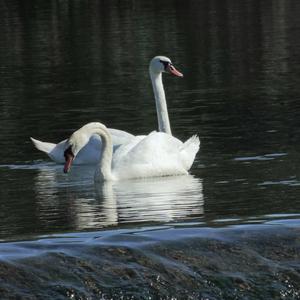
(161, 103)
(103, 170)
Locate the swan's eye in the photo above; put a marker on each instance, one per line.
(165, 63)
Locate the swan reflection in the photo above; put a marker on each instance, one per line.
(80, 204)
(157, 199)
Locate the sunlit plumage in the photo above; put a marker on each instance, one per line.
(156, 154)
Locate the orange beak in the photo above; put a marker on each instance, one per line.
(172, 70)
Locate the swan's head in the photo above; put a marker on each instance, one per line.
(77, 141)
(73, 146)
(160, 64)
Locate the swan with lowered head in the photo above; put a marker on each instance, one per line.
(157, 154)
(90, 153)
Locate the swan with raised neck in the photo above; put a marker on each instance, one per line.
(158, 65)
(90, 153)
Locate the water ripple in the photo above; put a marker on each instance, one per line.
(270, 156)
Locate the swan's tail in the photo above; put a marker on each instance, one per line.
(43, 146)
(192, 145)
(189, 150)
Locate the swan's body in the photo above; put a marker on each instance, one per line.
(157, 154)
(90, 153)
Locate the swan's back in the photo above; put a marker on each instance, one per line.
(157, 154)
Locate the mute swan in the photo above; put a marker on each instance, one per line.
(90, 153)
(158, 65)
(157, 154)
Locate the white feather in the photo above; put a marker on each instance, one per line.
(157, 154)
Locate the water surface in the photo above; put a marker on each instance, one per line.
(64, 64)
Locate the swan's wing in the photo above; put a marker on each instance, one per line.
(120, 137)
(157, 154)
(91, 152)
(123, 150)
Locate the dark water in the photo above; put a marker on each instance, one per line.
(230, 230)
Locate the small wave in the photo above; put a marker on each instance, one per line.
(270, 156)
(35, 165)
(289, 182)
